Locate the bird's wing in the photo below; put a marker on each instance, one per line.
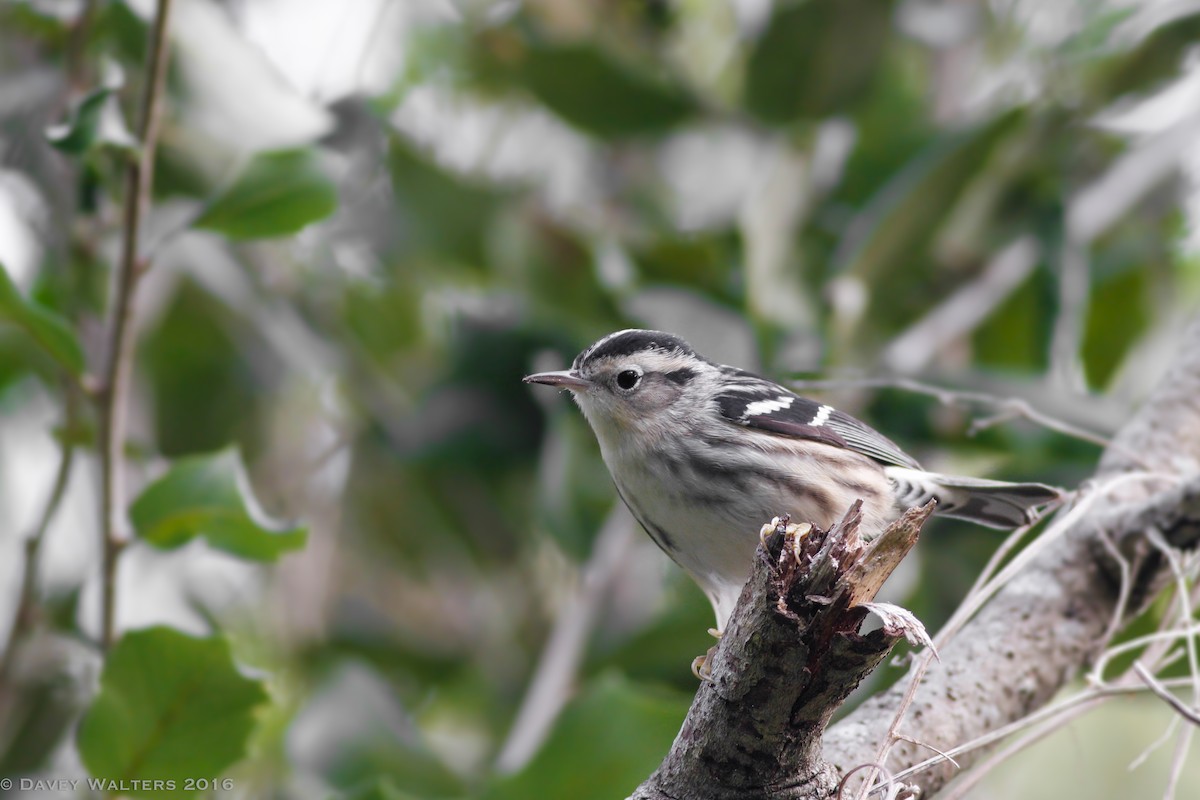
(764, 405)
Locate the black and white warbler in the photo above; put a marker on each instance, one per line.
(703, 454)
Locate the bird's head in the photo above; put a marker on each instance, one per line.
(634, 381)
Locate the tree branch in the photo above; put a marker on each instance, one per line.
(1050, 616)
(789, 657)
(114, 394)
(1049, 620)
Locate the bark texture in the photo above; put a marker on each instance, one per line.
(1033, 636)
(790, 656)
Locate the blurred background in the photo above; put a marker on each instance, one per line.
(439, 197)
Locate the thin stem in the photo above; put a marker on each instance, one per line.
(114, 399)
(27, 600)
(980, 594)
(558, 665)
(81, 28)
(1062, 711)
(1174, 702)
(1009, 406)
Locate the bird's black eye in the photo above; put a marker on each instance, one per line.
(627, 379)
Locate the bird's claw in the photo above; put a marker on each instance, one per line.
(702, 665)
(768, 528)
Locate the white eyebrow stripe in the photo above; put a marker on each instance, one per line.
(767, 406)
(822, 416)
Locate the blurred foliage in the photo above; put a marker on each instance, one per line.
(200, 496)
(812, 39)
(276, 194)
(42, 326)
(346, 287)
(607, 740)
(169, 706)
(590, 89)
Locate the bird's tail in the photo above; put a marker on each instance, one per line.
(996, 504)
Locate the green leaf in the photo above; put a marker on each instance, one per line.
(1119, 311)
(277, 194)
(1145, 66)
(78, 133)
(439, 213)
(815, 58)
(170, 707)
(50, 331)
(590, 89)
(201, 344)
(202, 496)
(1016, 336)
(94, 119)
(606, 742)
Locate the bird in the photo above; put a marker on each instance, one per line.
(703, 453)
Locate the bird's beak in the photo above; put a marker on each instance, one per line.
(565, 379)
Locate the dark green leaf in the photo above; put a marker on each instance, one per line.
(816, 57)
(277, 194)
(200, 496)
(1016, 336)
(170, 707)
(78, 133)
(593, 91)
(606, 742)
(440, 213)
(1155, 59)
(1119, 311)
(198, 344)
(94, 119)
(49, 330)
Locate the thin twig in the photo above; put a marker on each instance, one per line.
(963, 786)
(1152, 683)
(982, 593)
(1178, 760)
(1051, 718)
(114, 398)
(1126, 587)
(1144, 756)
(946, 396)
(1085, 698)
(1096, 675)
(1183, 593)
(894, 734)
(1185, 608)
(1001, 554)
(28, 598)
(77, 63)
(978, 597)
(902, 737)
(558, 665)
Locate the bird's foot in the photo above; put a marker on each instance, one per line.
(702, 665)
(796, 531)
